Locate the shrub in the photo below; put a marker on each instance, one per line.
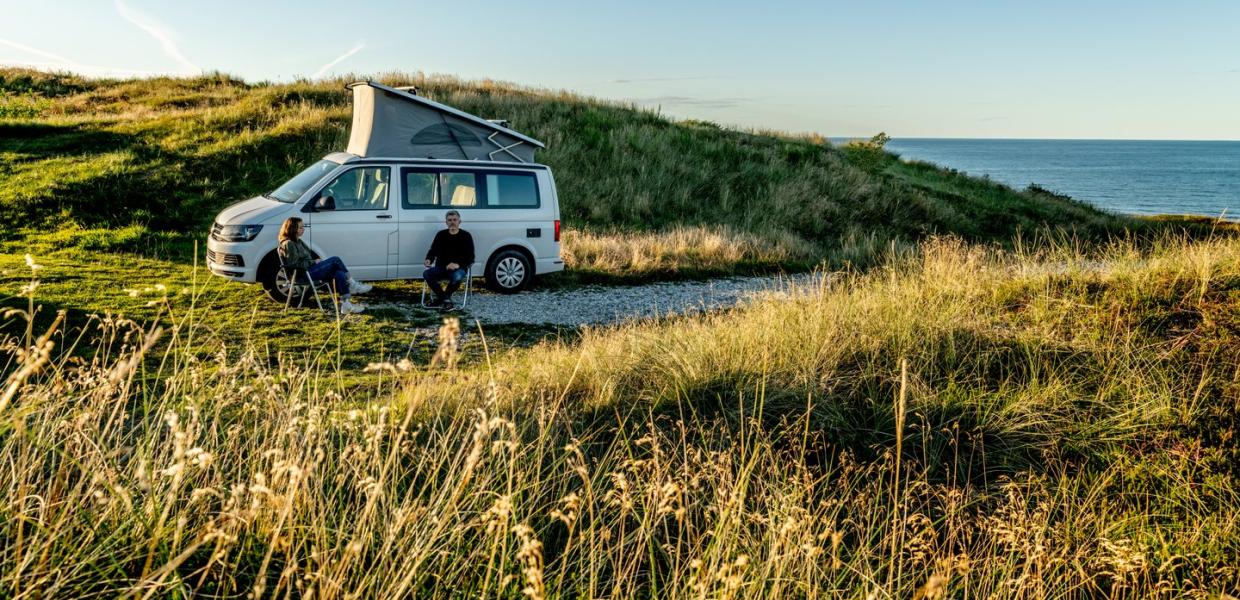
(26, 106)
(868, 155)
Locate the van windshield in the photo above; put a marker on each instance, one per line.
(295, 187)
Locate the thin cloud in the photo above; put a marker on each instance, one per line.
(77, 68)
(57, 62)
(339, 59)
(43, 53)
(159, 32)
(647, 79)
(692, 101)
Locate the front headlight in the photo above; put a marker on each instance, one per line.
(235, 233)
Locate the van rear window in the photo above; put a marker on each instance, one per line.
(427, 188)
(512, 191)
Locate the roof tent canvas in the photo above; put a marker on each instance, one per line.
(393, 123)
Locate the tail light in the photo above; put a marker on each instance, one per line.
(557, 230)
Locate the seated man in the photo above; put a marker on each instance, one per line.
(451, 253)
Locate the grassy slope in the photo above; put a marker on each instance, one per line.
(131, 172)
(139, 167)
(153, 160)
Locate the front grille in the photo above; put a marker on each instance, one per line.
(234, 260)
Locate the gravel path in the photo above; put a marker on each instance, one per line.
(600, 305)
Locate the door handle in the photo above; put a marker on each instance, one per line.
(383, 216)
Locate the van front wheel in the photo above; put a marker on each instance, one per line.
(509, 271)
(275, 283)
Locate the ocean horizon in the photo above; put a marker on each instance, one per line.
(1140, 177)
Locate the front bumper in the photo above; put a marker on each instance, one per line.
(231, 262)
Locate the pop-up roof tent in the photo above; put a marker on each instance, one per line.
(394, 123)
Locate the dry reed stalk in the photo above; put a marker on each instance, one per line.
(897, 504)
(34, 358)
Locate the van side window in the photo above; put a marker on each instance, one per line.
(458, 189)
(364, 188)
(419, 190)
(512, 191)
(430, 187)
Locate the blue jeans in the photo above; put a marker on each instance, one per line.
(434, 275)
(331, 268)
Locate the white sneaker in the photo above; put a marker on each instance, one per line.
(357, 287)
(347, 307)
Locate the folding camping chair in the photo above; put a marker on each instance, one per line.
(298, 282)
(469, 284)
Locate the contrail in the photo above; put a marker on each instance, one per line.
(43, 53)
(79, 69)
(56, 61)
(325, 68)
(159, 33)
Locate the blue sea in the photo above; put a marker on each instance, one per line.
(1136, 177)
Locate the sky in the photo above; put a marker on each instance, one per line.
(1094, 69)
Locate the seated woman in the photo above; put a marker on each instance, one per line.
(297, 255)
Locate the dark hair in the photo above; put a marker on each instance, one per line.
(288, 230)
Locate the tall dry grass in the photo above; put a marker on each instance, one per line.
(963, 423)
(679, 250)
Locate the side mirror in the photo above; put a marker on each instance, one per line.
(325, 203)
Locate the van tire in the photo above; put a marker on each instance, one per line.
(509, 271)
(267, 271)
(268, 277)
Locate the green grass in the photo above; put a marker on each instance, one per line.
(227, 317)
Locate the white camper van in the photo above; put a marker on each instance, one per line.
(379, 204)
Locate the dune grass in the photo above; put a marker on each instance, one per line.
(964, 421)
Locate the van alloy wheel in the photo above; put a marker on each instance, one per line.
(283, 284)
(509, 271)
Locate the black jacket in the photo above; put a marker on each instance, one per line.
(448, 248)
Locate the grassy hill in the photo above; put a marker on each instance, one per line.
(138, 165)
(972, 416)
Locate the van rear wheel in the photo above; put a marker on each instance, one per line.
(509, 271)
